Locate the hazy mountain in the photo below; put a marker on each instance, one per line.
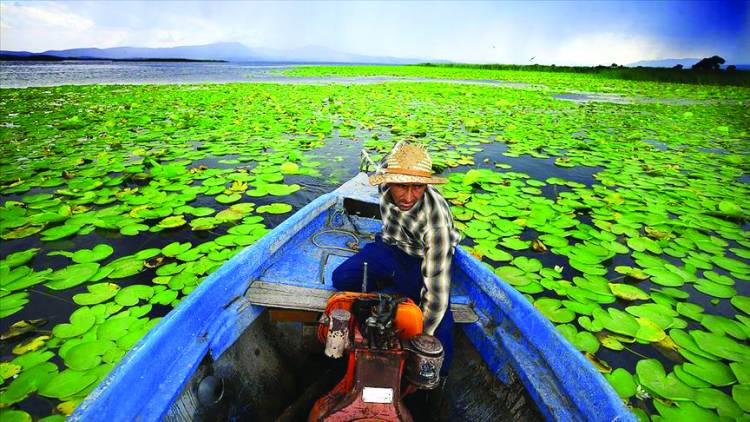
(686, 63)
(229, 51)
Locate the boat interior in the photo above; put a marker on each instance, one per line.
(276, 369)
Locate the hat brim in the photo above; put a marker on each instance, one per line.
(379, 179)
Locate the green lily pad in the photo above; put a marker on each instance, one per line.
(98, 293)
(689, 379)
(742, 303)
(130, 295)
(81, 320)
(636, 273)
(204, 223)
(721, 346)
(122, 268)
(87, 355)
(72, 275)
(19, 258)
(515, 243)
(13, 303)
(711, 398)
(164, 297)
(176, 248)
(690, 310)
(228, 199)
(98, 253)
(583, 341)
(741, 395)
(513, 275)
(628, 292)
(730, 264)
(617, 321)
(714, 289)
(114, 328)
(528, 265)
(551, 309)
(623, 383)
(712, 371)
(59, 232)
(275, 208)
(66, 384)
(652, 376)
(649, 330)
(12, 415)
(741, 371)
(172, 222)
(32, 359)
(684, 411)
(27, 382)
(281, 190)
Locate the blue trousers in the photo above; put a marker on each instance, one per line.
(392, 270)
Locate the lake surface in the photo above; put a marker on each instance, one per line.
(23, 74)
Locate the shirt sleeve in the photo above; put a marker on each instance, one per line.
(436, 267)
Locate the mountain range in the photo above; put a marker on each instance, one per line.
(238, 52)
(227, 51)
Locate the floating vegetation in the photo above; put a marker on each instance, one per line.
(117, 201)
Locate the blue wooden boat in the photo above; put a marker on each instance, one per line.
(222, 354)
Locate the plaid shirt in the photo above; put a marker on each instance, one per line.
(426, 231)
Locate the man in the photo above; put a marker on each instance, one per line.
(415, 249)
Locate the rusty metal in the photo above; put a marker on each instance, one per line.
(424, 361)
(338, 333)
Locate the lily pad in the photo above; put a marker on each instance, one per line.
(275, 208)
(623, 383)
(81, 320)
(19, 258)
(98, 293)
(651, 374)
(617, 321)
(130, 295)
(66, 383)
(98, 253)
(13, 303)
(72, 275)
(628, 292)
(551, 309)
(721, 346)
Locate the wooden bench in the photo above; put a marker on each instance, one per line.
(313, 301)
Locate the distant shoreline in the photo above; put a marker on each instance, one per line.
(50, 58)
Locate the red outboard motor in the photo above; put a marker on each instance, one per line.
(382, 335)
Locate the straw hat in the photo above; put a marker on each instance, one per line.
(407, 163)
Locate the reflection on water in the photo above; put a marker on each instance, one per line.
(597, 97)
(21, 74)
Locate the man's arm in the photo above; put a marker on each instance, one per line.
(436, 268)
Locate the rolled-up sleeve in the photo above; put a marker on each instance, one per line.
(436, 268)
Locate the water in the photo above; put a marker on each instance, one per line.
(23, 74)
(597, 97)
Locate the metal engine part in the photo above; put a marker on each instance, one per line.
(424, 360)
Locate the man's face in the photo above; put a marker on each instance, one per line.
(405, 195)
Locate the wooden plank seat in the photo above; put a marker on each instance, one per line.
(274, 295)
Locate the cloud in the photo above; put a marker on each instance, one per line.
(481, 32)
(50, 16)
(603, 48)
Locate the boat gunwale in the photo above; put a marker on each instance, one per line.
(162, 380)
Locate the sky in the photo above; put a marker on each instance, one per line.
(544, 32)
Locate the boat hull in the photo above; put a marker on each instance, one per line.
(512, 339)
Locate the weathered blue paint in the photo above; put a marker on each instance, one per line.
(511, 336)
(151, 376)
